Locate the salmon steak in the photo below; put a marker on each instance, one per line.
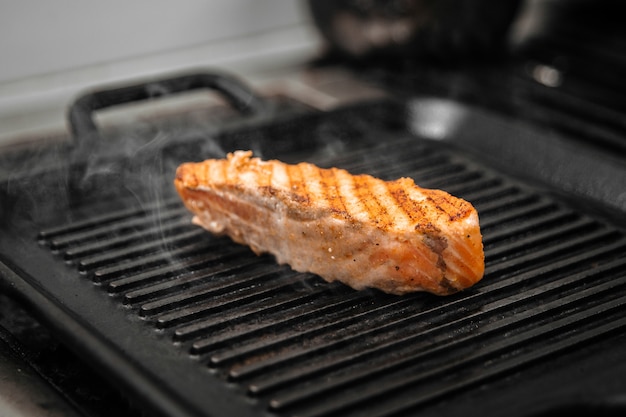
(357, 229)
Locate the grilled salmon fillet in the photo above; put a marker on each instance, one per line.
(360, 230)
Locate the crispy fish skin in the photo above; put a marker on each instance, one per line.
(360, 230)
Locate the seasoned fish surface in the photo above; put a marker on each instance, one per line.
(357, 229)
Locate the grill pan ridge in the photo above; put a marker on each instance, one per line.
(284, 343)
(309, 348)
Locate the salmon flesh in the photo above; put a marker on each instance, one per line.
(357, 229)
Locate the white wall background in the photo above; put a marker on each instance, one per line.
(43, 36)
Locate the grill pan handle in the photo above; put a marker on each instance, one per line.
(241, 97)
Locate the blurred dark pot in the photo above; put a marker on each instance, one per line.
(443, 29)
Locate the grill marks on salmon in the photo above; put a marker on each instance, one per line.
(360, 230)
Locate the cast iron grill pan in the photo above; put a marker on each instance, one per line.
(193, 324)
(554, 280)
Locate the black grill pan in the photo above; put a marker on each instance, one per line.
(189, 324)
